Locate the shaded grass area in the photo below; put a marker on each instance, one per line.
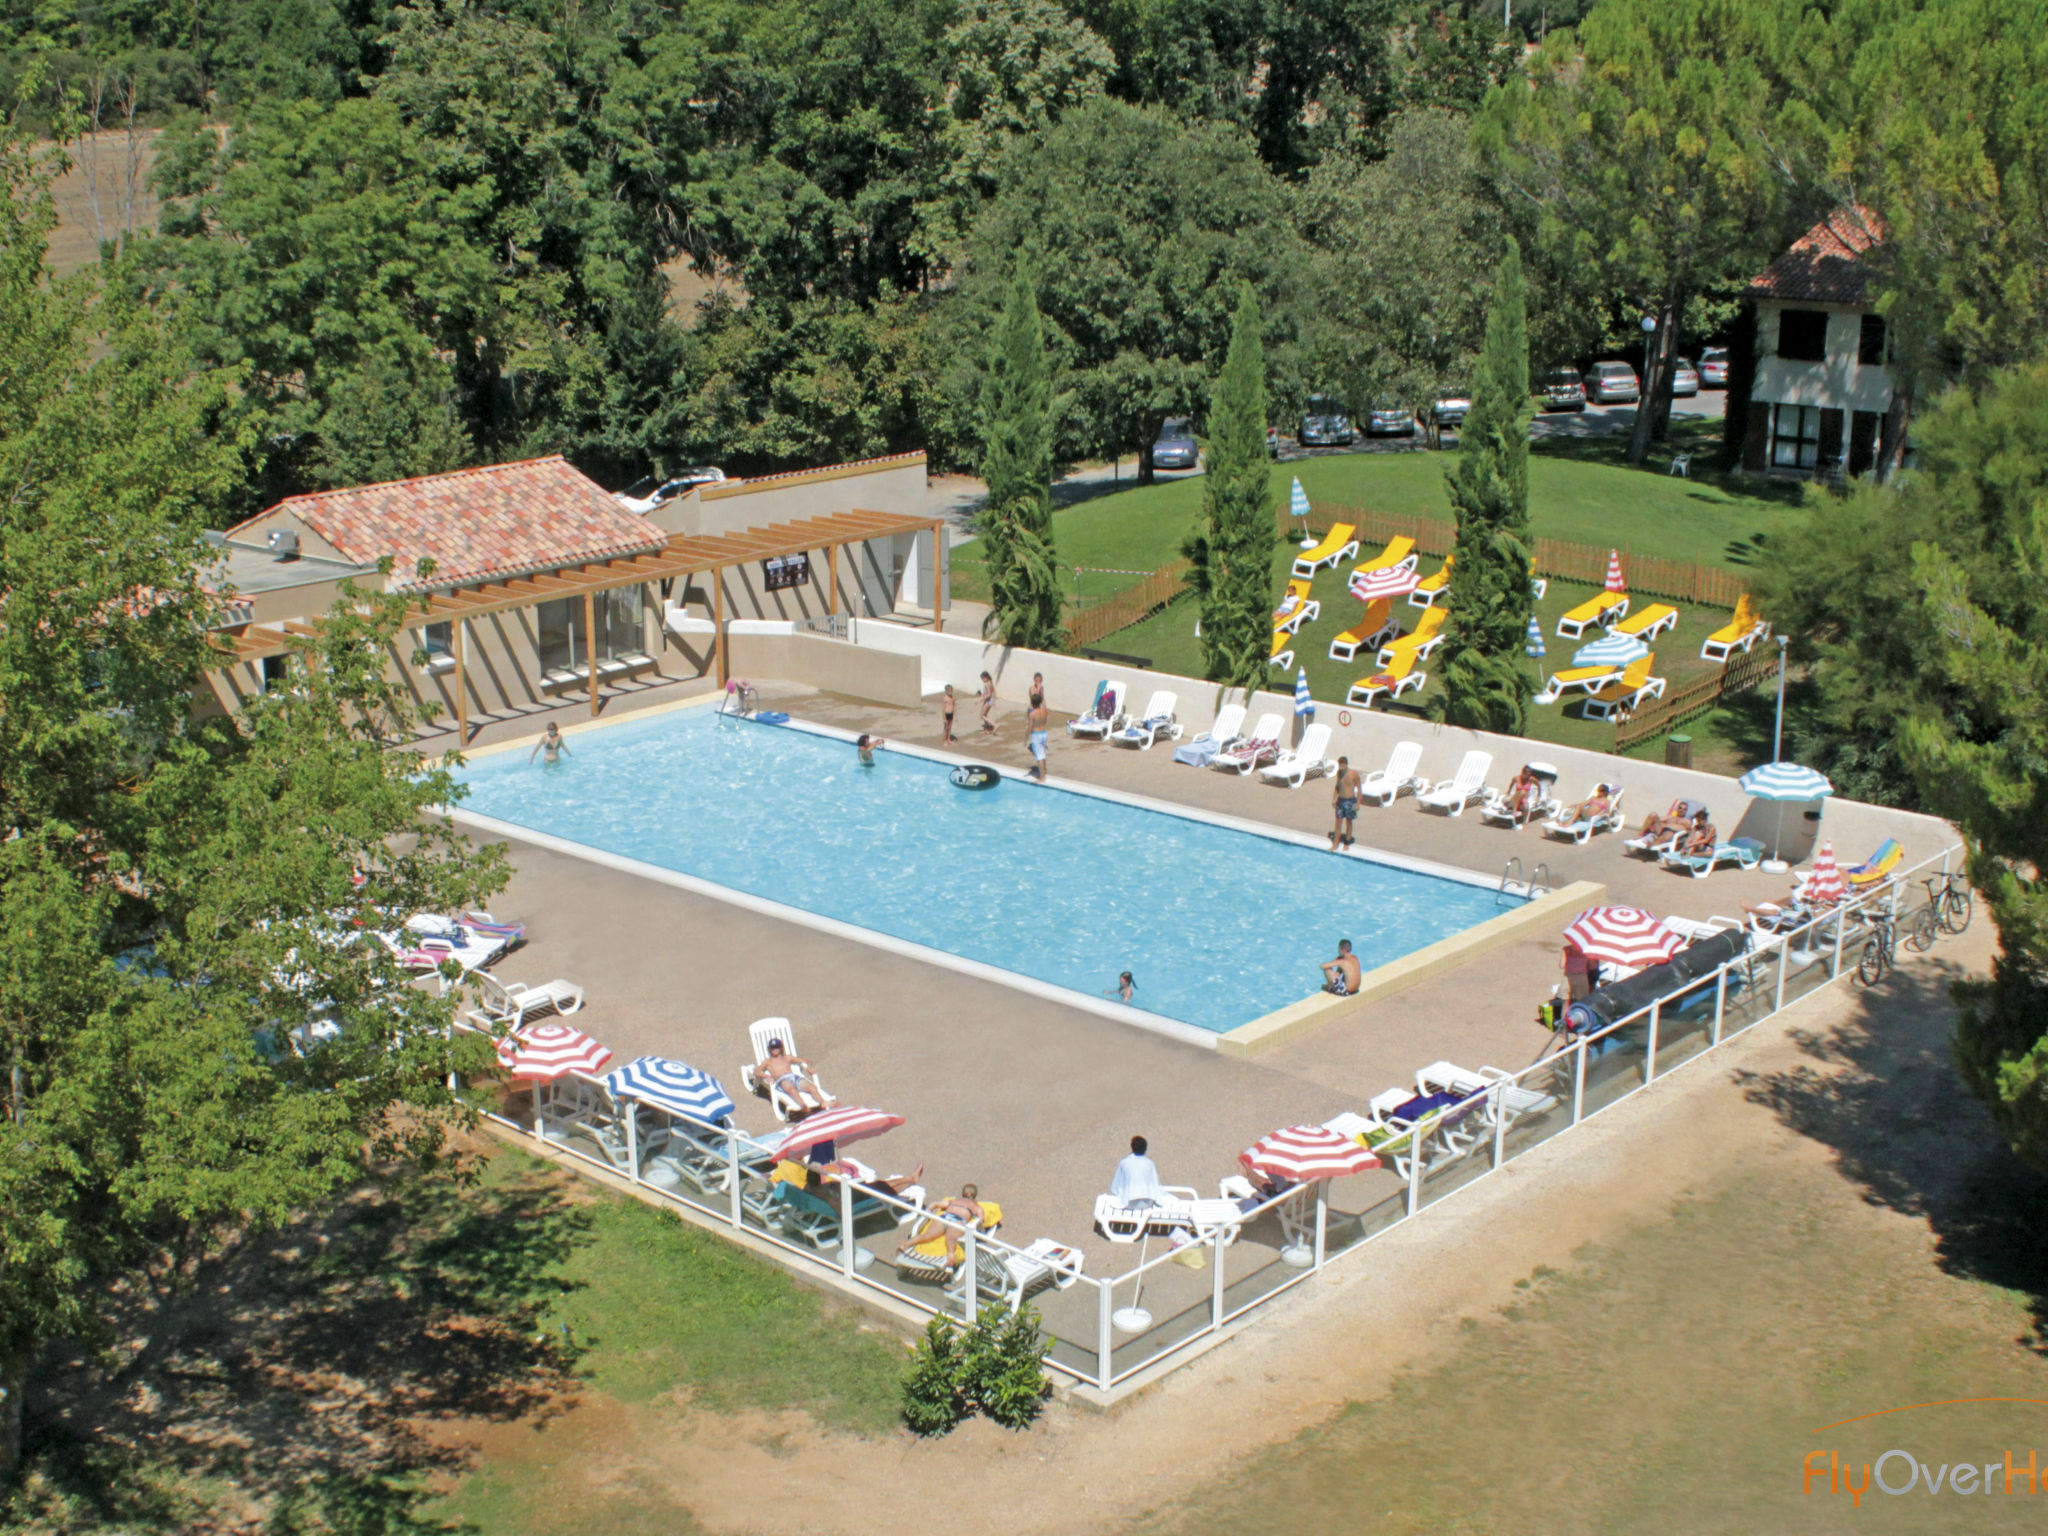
(1169, 640)
(1674, 1378)
(334, 1376)
(1579, 490)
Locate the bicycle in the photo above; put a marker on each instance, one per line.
(1880, 953)
(1948, 896)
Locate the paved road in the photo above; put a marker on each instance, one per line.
(959, 498)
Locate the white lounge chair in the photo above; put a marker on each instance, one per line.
(477, 946)
(1157, 721)
(1613, 819)
(1506, 1100)
(1225, 733)
(1295, 764)
(1500, 811)
(1182, 1208)
(1467, 784)
(759, 1033)
(512, 1002)
(1385, 784)
(1259, 747)
(1104, 715)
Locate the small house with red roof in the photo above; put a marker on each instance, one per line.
(1822, 399)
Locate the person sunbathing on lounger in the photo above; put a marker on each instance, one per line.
(963, 1207)
(1702, 839)
(1664, 824)
(792, 1074)
(1599, 803)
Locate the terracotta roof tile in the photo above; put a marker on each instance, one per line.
(1824, 265)
(490, 523)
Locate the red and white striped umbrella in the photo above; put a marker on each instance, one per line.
(1614, 578)
(1623, 936)
(1302, 1153)
(1387, 581)
(1824, 884)
(551, 1049)
(848, 1122)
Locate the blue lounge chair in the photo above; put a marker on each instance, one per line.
(1744, 852)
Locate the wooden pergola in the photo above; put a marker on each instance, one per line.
(685, 555)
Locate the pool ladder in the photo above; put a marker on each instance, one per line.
(1512, 885)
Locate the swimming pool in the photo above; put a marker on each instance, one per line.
(1220, 925)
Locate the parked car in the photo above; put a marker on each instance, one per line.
(1389, 418)
(1562, 390)
(1451, 409)
(644, 495)
(1325, 425)
(1175, 447)
(1714, 367)
(1685, 379)
(1607, 382)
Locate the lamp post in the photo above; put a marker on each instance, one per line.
(1778, 732)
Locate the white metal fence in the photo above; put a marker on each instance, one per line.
(1103, 1330)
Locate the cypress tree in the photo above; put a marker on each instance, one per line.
(1480, 682)
(1233, 557)
(1016, 464)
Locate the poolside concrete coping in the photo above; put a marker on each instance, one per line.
(1312, 1013)
(1262, 1034)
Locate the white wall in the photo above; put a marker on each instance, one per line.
(1369, 737)
(1838, 382)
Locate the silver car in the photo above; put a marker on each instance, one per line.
(1175, 446)
(1387, 419)
(1325, 425)
(1685, 379)
(1714, 368)
(1609, 382)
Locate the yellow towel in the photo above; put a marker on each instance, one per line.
(935, 1246)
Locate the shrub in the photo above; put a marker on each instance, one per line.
(996, 1367)
(932, 1401)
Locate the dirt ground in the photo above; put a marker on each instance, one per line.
(104, 193)
(1812, 1226)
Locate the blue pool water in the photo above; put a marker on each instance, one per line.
(1219, 926)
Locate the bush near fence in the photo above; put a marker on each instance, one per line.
(1696, 698)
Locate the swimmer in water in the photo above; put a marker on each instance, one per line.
(866, 748)
(551, 743)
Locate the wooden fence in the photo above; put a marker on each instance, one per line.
(1745, 672)
(1122, 609)
(1684, 581)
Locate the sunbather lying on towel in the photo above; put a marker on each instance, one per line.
(963, 1207)
(1702, 839)
(1664, 824)
(1598, 803)
(792, 1074)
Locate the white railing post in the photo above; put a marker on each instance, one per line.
(1496, 1100)
(1784, 964)
(633, 1140)
(1720, 1002)
(732, 1175)
(1650, 1054)
(846, 1228)
(1835, 965)
(1322, 1219)
(1414, 1169)
(971, 1280)
(1216, 1284)
(1105, 1346)
(1579, 1083)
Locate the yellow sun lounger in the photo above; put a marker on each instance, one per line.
(1339, 543)
(1283, 653)
(1590, 679)
(1425, 637)
(1627, 690)
(1600, 608)
(1396, 680)
(1287, 620)
(1430, 588)
(1739, 634)
(1375, 629)
(1650, 623)
(1877, 867)
(1399, 551)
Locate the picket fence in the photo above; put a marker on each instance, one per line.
(1745, 672)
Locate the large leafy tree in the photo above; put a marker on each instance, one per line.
(1657, 146)
(180, 918)
(1923, 611)
(1233, 554)
(1480, 682)
(1138, 230)
(1016, 465)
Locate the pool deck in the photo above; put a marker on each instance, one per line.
(1033, 1100)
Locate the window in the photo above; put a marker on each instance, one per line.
(618, 622)
(273, 671)
(438, 641)
(1803, 335)
(563, 644)
(562, 641)
(1870, 342)
(1795, 437)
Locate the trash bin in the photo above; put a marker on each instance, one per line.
(1678, 750)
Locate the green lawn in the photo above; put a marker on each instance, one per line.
(1577, 491)
(1168, 639)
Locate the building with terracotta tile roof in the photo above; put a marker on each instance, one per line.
(544, 587)
(1822, 401)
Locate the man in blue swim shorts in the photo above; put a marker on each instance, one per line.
(1345, 799)
(1038, 719)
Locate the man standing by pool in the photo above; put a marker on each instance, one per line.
(1344, 798)
(1341, 974)
(1038, 719)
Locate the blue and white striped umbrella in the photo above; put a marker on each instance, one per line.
(1297, 503)
(1610, 651)
(672, 1085)
(1535, 644)
(1303, 704)
(1785, 781)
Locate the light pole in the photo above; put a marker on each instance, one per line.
(1778, 732)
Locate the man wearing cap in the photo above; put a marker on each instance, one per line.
(791, 1074)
